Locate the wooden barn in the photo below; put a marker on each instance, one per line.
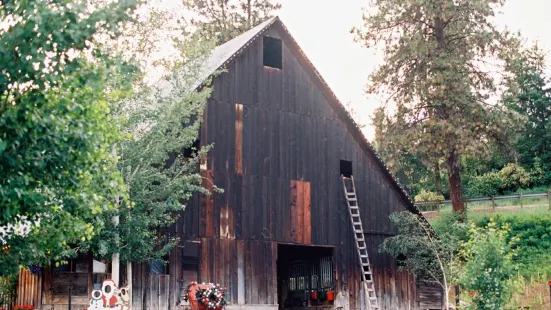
(285, 233)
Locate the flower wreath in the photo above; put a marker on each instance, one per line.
(187, 291)
(213, 298)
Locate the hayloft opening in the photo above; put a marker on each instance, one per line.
(305, 276)
(272, 52)
(346, 168)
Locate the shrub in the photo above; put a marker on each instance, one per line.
(488, 184)
(489, 267)
(428, 196)
(533, 245)
(513, 177)
(8, 287)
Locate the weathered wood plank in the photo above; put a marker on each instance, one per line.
(299, 220)
(241, 272)
(307, 222)
(293, 214)
(239, 139)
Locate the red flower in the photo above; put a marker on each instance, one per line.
(24, 307)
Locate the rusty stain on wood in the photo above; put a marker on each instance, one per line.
(299, 220)
(307, 223)
(207, 205)
(239, 139)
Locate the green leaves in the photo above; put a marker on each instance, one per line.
(56, 134)
(156, 160)
(489, 267)
(438, 73)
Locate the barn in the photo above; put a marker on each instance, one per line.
(306, 199)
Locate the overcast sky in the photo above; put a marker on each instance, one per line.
(322, 29)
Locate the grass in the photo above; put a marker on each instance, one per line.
(479, 209)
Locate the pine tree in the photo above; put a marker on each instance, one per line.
(528, 93)
(437, 72)
(223, 20)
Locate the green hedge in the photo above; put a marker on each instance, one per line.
(534, 244)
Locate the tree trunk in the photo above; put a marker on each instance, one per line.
(129, 282)
(437, 177)
(115, 260)
(454, 180)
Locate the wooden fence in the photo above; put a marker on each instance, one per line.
(28, 288)
(491, 199)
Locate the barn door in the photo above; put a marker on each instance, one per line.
(157, 297)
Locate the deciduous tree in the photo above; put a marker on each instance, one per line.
(56, 132)
(159, 157)
(433, 259)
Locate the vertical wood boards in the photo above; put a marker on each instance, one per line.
(29, 288)
(158, 293)
(238, 139)
(300, 212)
(278, 142)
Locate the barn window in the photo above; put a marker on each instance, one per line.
(272, 52)
(346, 168)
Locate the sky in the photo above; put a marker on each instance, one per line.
(322, 29)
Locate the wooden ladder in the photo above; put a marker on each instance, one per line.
(361, 246)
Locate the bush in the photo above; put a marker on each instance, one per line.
(8, 287)
(533, 245)
(428, 196)
(513, 177)
(489, 267)
(488, 184)
(510, 178)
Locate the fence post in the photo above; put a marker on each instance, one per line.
(493, 203)
(549, 197)
(521, 200)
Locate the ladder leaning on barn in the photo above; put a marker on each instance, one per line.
(361, 246)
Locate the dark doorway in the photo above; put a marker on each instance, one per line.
(305, 274)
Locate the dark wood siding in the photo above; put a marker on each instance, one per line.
(271, 129)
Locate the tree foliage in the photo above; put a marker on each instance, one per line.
(223, 20)
(532, 240)
(56, 132)
(411, 167)
(432, 259)
(489, 266)
(528, 94)
(159, 158)
(437, 71)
